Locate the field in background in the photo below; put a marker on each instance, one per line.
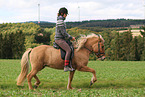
(134, 32)
(115, 79)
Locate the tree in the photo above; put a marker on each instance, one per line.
(107, 37)
(42, 36)
(6, 48)
(137, 57)
(18, 44)
(1, 44)
(143, 52)
(126, 43)
(115, 45)
(134, 56)
(143, 55)
(143, 33)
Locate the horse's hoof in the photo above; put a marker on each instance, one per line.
(91, 83)
(35, 86)
(70, 88)
(80, 90)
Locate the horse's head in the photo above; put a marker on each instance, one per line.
(95, 44)
(98, 49)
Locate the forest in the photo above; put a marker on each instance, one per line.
(15, 38)
(109, 23)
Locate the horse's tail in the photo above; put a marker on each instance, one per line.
(24, 68)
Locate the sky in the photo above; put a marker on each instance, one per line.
(79, 10)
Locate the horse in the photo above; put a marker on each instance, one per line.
(47, 56)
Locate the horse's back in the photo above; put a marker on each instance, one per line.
(38, 53)
(39, 50)
(46, 55)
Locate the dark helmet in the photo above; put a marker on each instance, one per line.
(63, 10)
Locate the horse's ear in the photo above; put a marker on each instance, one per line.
(99, 37)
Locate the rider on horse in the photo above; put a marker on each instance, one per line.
(61, 36)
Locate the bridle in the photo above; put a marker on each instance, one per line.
(98, 53)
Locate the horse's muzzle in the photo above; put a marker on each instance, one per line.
(102, 58)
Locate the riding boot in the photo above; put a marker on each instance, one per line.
(68, 67)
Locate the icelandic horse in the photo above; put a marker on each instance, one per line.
(46, 55)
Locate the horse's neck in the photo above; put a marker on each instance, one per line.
(84, 51)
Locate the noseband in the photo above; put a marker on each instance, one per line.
(97, 54)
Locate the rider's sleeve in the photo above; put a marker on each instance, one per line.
(61, 29)
(65, 34)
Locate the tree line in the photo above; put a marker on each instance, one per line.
(12, 45)
(109, 23)
(123, 46)
(16, 38)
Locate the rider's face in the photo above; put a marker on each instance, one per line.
(64, 15)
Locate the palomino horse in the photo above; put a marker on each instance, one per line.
(45, 55)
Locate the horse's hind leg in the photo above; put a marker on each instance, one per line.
(30, 76)
(37, 82)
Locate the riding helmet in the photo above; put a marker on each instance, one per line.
(63, 10)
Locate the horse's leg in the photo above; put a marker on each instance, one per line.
(30, 76)
(87, 69)
(37, 81)
(70, 80)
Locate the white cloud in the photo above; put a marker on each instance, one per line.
(27, 10)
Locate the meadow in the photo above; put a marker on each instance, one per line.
(135, 32)
(115, 79)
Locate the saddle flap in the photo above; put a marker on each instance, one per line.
(63, 53)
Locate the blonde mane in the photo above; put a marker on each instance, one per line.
(82, 40)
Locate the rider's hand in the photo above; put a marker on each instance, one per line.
(73, 38)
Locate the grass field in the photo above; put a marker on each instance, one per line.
(115, 79)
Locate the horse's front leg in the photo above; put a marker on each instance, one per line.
(70, 80)
(87, 69)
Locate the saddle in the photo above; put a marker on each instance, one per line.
(63, 53)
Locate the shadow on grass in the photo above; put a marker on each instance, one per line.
(11, 86)
(79, 84)
(112, 84)
(97, 85)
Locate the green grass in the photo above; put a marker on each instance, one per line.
(115, 79)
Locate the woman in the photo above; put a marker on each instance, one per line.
(61, 36)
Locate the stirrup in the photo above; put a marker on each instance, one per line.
(71, 67)
(67, 68)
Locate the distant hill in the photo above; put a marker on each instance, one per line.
(110, 23)
(44, 24)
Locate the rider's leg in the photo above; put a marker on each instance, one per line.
(62, 43)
